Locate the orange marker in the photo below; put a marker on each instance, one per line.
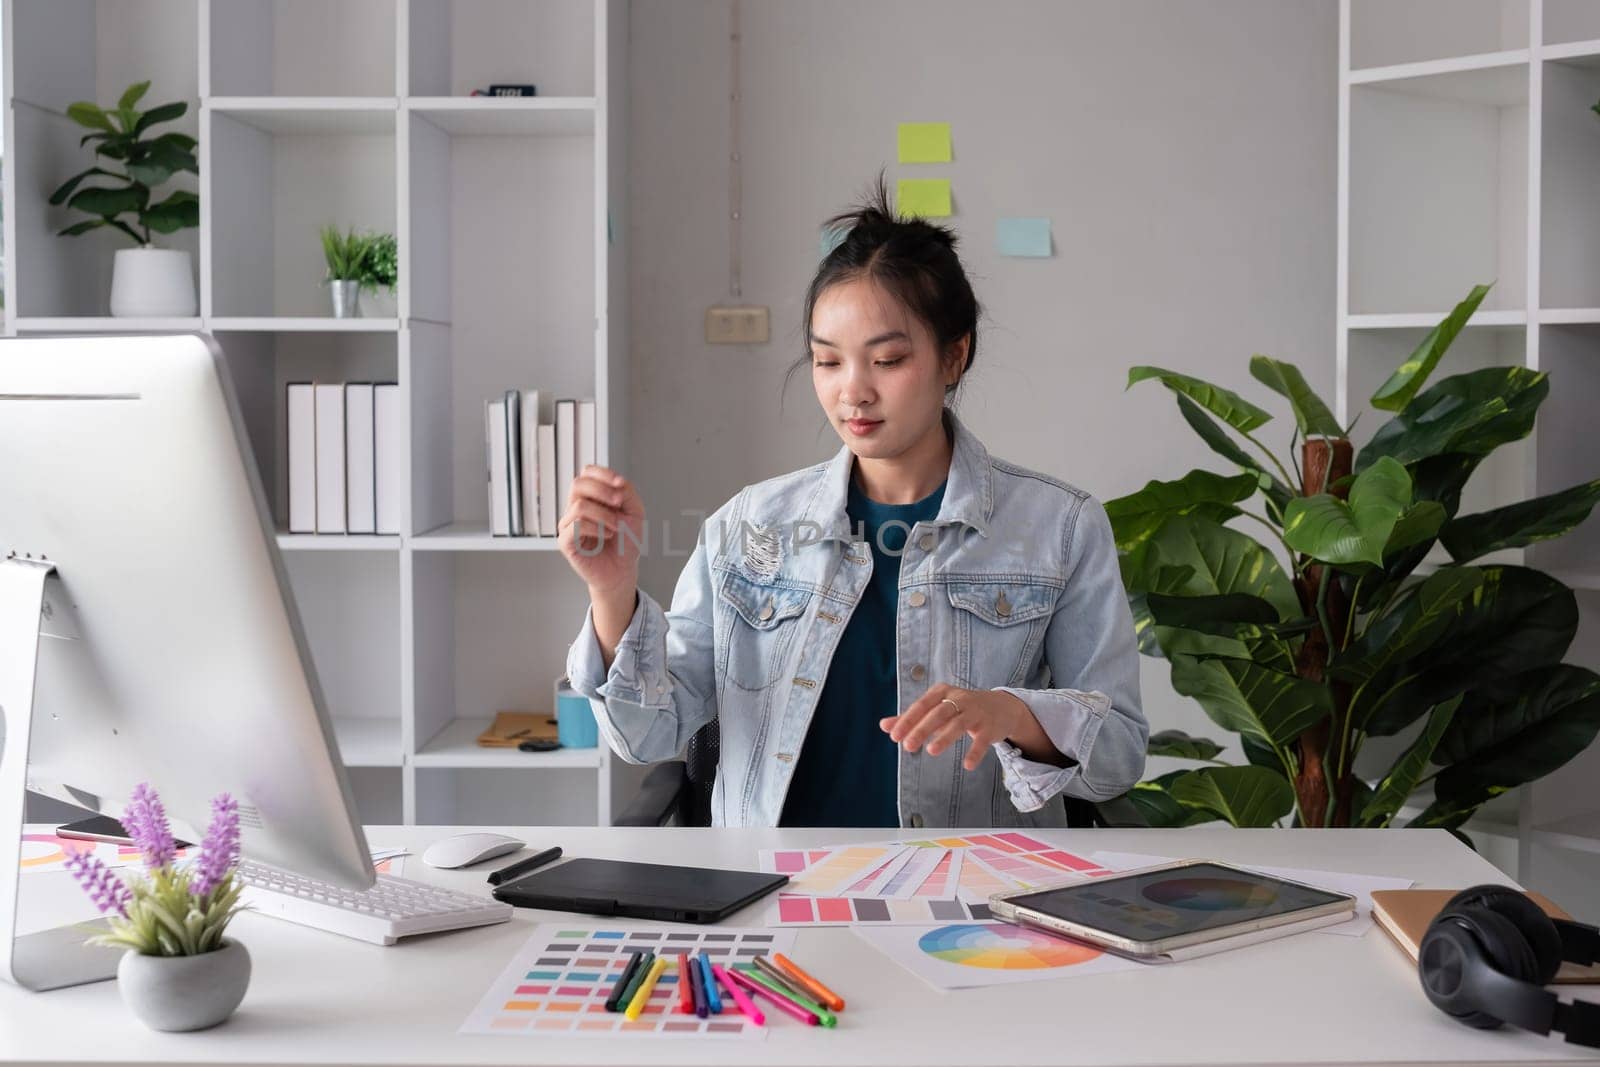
(823, 994)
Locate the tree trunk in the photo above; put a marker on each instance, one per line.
(1323, 462)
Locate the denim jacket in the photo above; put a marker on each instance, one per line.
(1014, 586)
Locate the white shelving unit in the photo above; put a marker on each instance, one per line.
(1467, 153)
(507, 213)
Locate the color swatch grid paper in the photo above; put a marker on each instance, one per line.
(1359, 886)
(914, 882)
(558, 982)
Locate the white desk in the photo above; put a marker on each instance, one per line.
(318, 998)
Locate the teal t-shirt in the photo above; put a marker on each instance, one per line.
(848, 773)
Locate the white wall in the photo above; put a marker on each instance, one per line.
(1183, 151)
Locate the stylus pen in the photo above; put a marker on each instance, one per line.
(522, 867)
(622, 981)
(751, 1012)
(820, 993)
(642, 997)
(713, 1002)
(784, 1003)
(824, 1016)
(685, 986)
(697, 982)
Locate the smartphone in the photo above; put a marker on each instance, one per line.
(102, 828)
(1152, 913)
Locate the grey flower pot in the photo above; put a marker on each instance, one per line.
(185, 992)
(346, 299)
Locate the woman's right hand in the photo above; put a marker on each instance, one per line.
(602, 530)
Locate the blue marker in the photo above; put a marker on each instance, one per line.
(713, 1001)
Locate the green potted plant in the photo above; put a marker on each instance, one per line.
(179, 971)
(118, 192)
(1331, 631)
(357, 261)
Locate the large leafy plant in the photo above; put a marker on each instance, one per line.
(1354, 637)
(122, 198)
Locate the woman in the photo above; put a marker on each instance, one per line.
(868, 630)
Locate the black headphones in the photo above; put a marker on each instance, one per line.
(1488, 955)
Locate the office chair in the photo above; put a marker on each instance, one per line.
(681, 790)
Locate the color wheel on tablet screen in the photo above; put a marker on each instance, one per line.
(1002, 947)
(1210, 894)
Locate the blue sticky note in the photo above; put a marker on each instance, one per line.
(1023, 237)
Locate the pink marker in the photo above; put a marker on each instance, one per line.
(783, 1002)
(751, 1012)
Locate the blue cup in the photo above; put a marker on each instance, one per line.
(575, 726)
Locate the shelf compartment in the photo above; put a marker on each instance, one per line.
(303, 48)
(1571, 356)
(475, 537)
(1569, 259)
(302, 324)
(456, 46)
(349, 607)
(1438, 195)
(271, 192)
(1427, 320)
(1580, 833)
(507, 116)
(1571, 22)
(368, 742)
(456, 746)
(325, 114)
(288, 542)
(1387, 32)
(105, 324)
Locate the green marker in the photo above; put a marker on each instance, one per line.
(824, 1016)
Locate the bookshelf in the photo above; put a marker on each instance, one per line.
(1466, 154)
(510, 216)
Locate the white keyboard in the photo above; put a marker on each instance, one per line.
(390, 910)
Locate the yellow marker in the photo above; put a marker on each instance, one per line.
(636, 1005)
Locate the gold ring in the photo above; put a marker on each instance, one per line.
(952, 703)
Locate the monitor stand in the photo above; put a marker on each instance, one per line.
(49, 959)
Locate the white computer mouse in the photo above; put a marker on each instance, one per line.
(463, 850)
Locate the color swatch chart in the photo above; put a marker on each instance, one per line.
(42, 853)
(558, 982)
(914, 882)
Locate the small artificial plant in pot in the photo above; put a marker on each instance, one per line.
(357, 261)
(118, 192)
(179, 971)
(1330, 632)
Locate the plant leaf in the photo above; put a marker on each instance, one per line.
(163, 113)
(1540, 519)
(1418, 523)
(176, 212)
(1408, 630)
(1396, 393)
(1403, 777)
(1157, 807)
(1333, 531)
(82, 227)
(1181, 745)
(1221, 561)
(91, 115)
(1476, 413)
(1136, 516)
(132, 94)
(1228, 406)
(61, 194)
(1244, 697)
(98, 200)
(1285, 379)
(1244, 796)
(1219, 442)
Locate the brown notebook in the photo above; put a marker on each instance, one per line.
(1404, 914)
(511, 728)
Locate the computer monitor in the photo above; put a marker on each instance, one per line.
(169, 649)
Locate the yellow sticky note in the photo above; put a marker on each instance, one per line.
(924, 142)
(926, 198)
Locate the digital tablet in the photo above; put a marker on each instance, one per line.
(639, 890)
(1157, 912)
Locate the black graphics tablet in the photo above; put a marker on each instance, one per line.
(639, 890)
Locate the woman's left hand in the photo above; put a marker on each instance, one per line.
(938, 718)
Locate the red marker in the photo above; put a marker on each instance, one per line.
(685, 986)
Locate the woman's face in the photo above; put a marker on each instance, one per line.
(876, 369)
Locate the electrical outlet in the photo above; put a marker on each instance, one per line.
(737, 326)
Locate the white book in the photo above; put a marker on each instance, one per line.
(300, 406)
(361, 501)
(495, 430)
(587, 444)
(550, 508)
(387, 454)
(566, 449)
(513, 410)
(531, 515)
(330, 459)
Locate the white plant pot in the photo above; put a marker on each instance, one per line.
(152, 283)
(184, 992)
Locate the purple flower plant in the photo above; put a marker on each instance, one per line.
(146, 822)
(103, 886)
(220, 849)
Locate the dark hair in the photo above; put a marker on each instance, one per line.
(913, 259)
